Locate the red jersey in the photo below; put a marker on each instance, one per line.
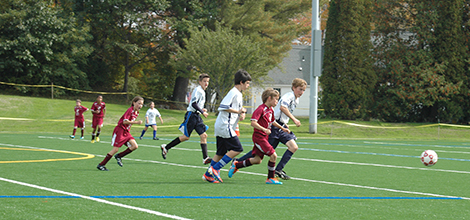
(264, 116)
(101, 107)
(130, 115)
(79, 112)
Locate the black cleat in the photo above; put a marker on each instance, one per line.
(164, 151)
(208, 160)
(102, 168)
(155, 138)
(281, 174)
(119, 161)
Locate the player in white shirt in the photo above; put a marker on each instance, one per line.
(282, 114)
(230, 111)
(151, 120)
(193, 121)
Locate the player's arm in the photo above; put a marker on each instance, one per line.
(104, 112)
(146, 119)
(277, 125)
(255, 124)
(161, 119)
(290, 115)
(202, 111)
(127, 122)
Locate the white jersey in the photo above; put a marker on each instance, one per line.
(198, 96)
(152, 115)
(226, 122)
(289, 101)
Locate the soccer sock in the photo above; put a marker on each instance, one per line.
(212, 164)
(74, 130)
(83, 130)
(204, 150)
(173, 143)
(143, 132)
(154, 133)
(124, 153)
(92, 136)
(106, 159)
(285, 158)
(222, 162)
(271, 169)
(241, 164)
(246, 156)
(98, 133)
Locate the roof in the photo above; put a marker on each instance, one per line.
(295, 65)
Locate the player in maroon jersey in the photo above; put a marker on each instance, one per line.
(262, 120)
(122, 135)
(99, 110)
(79, 119)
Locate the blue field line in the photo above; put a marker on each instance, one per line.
(229, 197)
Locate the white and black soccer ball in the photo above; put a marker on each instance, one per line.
(429, 158)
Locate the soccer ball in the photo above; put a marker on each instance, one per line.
(429, 158)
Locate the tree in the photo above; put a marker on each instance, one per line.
(348, 79)
(41, 44)
(220, 54)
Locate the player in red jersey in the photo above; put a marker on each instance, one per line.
(99, 111)
(79, 119)
(262, 120)
(122, 135)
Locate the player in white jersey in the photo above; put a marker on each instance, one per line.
(151, 120)
(193, 121)
(282, 113)
(230, 111)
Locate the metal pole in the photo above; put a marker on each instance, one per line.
(52, 90)
(315, 66)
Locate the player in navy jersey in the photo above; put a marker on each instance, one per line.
(150, 120)
(99, 111)
(193, 121)
(262, 120)
(122, 135)
(79, 119)
(283, 112)
(230, 112)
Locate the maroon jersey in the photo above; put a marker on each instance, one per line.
(264, 116)
(79, 112)
(101, 107)
(130, 115)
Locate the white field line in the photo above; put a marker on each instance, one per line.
(93, 199)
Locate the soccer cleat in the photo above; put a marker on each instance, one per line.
(102, 168)
(273, 181)
(164, 151)
(215, 173)
(119, 161)
(92, 141)
(97, 139)
(155, 138)
(208, 160)
(81, 137)
(233, 169)
(140, 138)
(209, 179)
(281, 174)
(72, 136)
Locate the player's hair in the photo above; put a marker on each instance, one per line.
(269, 92)
(297, 82)
(136, 99)
(78, 100)
(241, 76)
(151, 103)
(203, 75)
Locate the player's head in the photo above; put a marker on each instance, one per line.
(298, 87)
(242, 79)
(137, 102)
(274, 94)
(99, 99)
(204, 80)
(152, 105)
(78, 102)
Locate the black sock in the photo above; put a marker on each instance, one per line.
(204, 151)
(173, 143)
(285, 158)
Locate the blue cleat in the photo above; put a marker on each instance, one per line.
(215, 173)
(233, 170)
(72, 136)
(273, 181)
(209, 179)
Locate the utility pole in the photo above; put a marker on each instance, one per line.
(315, 66)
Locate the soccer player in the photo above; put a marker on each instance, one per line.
(193, 121)
(122, 134)
(150, 120)
(230, 112)
(99, 110)
(283, 112)
(79, 119)
(262, 120)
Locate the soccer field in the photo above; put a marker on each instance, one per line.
(47, 176)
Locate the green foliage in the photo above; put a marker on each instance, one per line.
(348, 79)
(220, 54)
(41, 44)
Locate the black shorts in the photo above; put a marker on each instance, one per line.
(192, 121)
(277, 135)
(227, 144)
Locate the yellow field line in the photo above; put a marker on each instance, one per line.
(87, 156)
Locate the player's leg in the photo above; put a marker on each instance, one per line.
(143, 132)
(99, 131)
(234, 148)
(291, 149)
(155, 132)
(93, 133)
(271, 168)
(131, 146)
(73, 133)
(101, 166)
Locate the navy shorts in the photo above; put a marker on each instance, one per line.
(227, 144)
(192, 121)
(277, 135)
